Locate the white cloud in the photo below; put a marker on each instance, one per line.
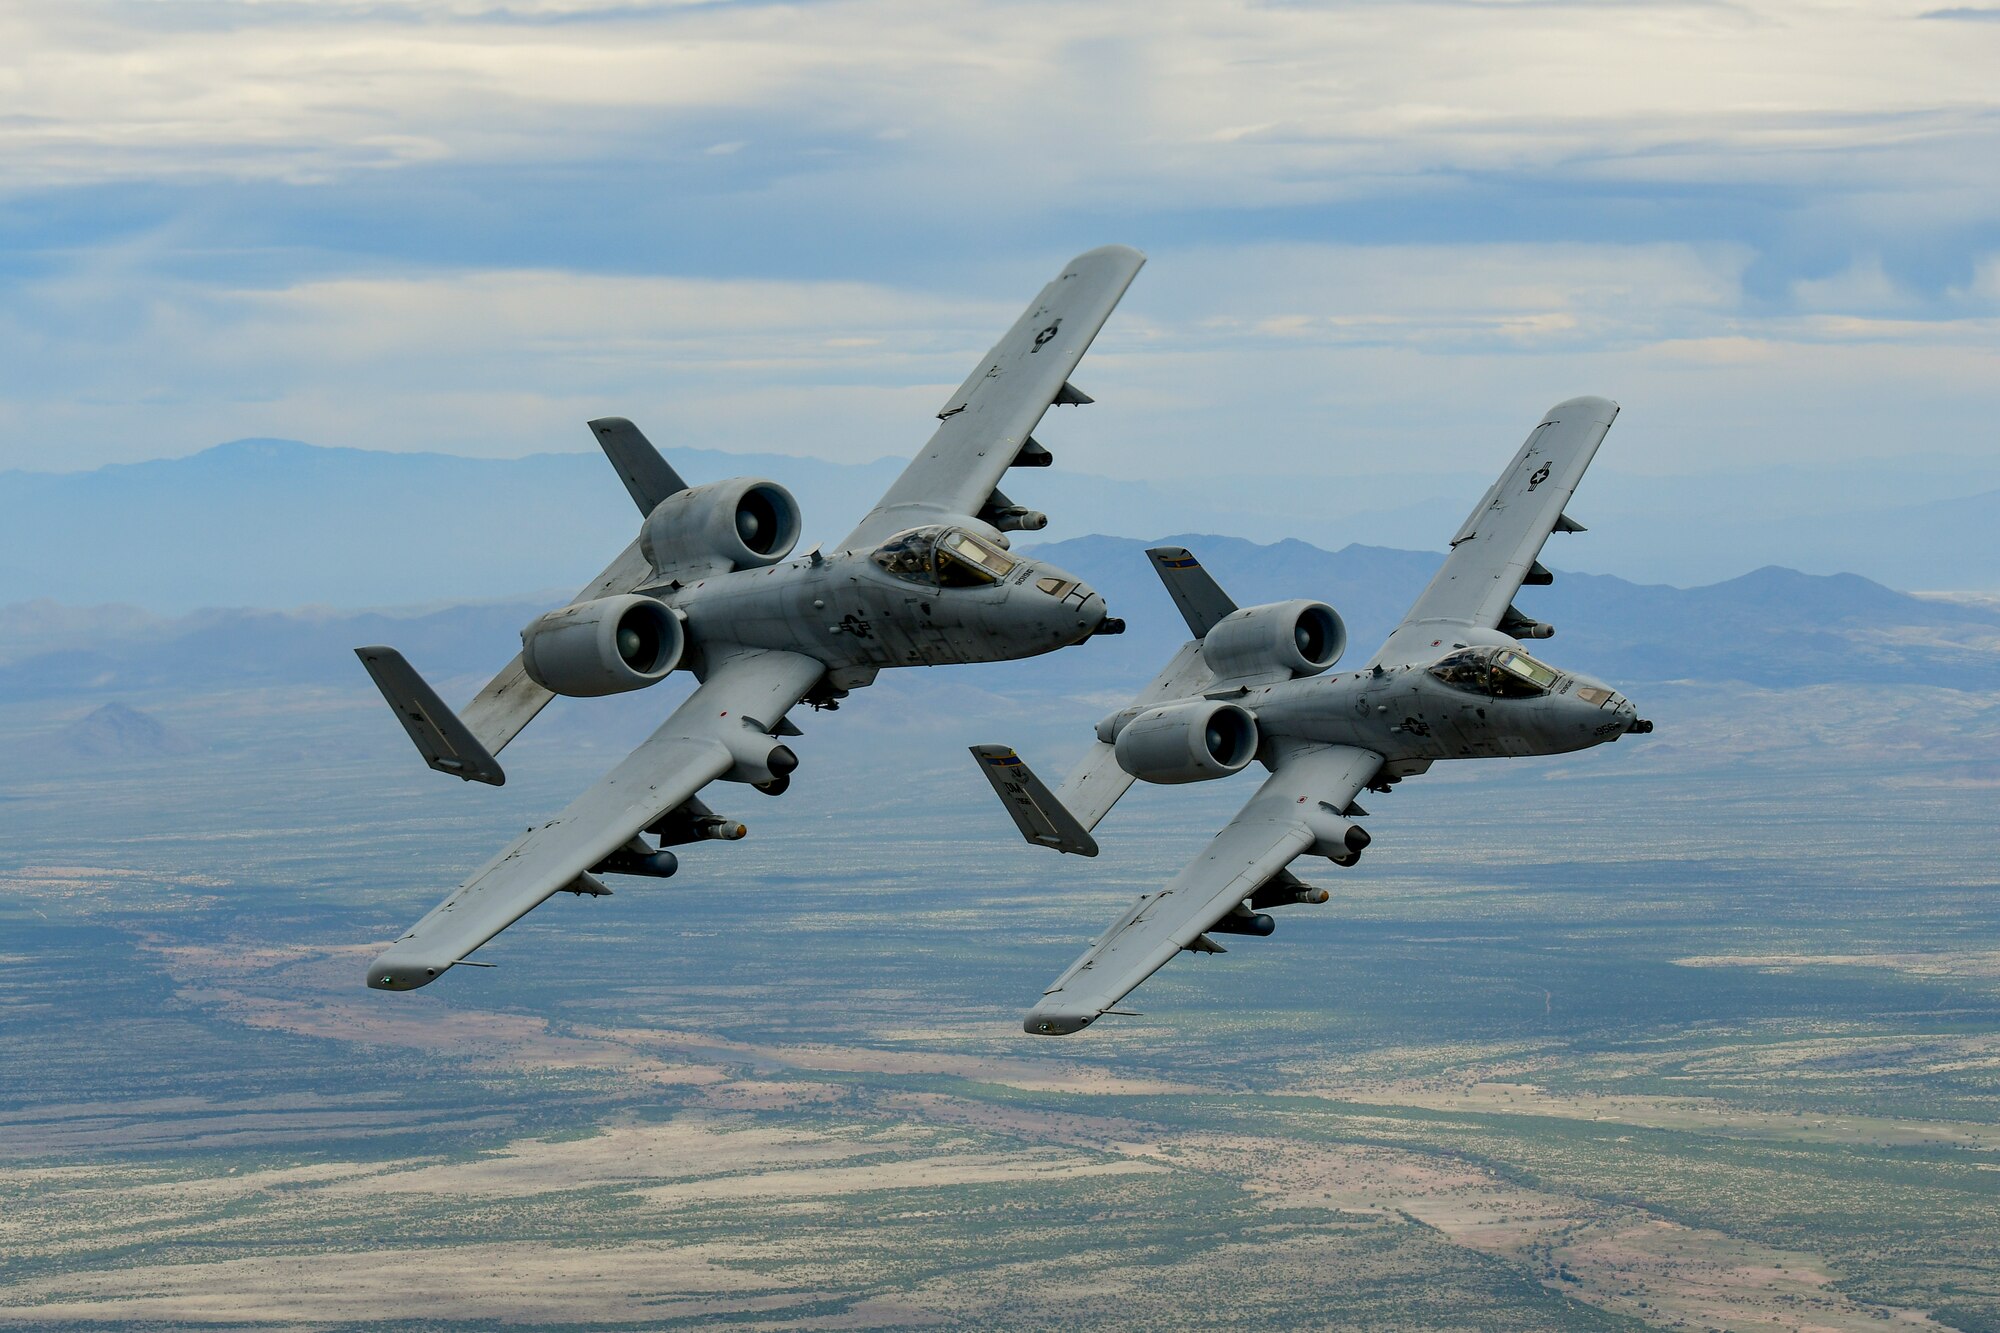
(1284, 359)
(1129, 100)
(995, 126)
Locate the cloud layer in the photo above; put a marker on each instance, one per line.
(1775, 232)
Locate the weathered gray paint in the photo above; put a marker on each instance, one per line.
(1325, 737)
(762, 638)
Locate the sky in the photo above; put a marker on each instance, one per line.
(1383, 236)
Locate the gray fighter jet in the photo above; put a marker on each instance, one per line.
(706, 587)
(1454, 681)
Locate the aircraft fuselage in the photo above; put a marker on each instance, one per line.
(1406, 713)
(847, 612)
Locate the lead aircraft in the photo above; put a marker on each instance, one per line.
(1454, 681)
(706, 587)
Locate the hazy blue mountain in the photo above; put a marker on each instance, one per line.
(284, 524)
(116, 731)
(1773, 627)
(280, 523)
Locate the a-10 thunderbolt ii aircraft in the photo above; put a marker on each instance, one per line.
(706, 587)
(1454, 681)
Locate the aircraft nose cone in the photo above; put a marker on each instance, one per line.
(1093, 610)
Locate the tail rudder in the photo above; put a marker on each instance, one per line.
(648, 477)
(1201, 600)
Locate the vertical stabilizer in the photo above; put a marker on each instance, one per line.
(1201, 600)
(647, 476)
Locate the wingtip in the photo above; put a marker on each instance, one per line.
(1587, 402)
(1136, 258)
(387, 973)
(1057, 1022)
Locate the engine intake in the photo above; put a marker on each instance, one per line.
(1299, 638)
(1187, 742)
(606, 646)
(743, 523)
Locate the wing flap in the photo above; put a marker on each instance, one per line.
(691, 749)
(1160, 925)
(1274, 826)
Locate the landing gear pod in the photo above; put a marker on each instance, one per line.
(652, 865)
(1188, 742)
(1244, 923)
(606, 646)
(764, 763)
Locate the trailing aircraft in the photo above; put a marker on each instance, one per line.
(708, 587)
(1454, 681)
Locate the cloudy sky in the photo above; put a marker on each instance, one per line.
(1379, 231)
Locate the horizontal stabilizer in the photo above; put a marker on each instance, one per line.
(1042, 819)
(444, 741)
(1201, 600)
(1071, 396)
(648, 476)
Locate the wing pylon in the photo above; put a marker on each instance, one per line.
(716, 732)
(986, 426)
(1295, 811)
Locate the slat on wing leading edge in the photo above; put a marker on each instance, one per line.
(986, 422)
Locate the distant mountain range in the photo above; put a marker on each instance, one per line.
(115, 732)
(277, 523)
(1774, 627)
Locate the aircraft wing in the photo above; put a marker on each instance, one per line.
(1267, 833)
(743, 699)
(1497, 549)
(985, 425)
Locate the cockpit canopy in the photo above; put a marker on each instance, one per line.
(1500, 673)
(944, 558)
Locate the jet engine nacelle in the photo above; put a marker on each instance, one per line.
(764, 762)
(1187, 742)
(743, 523)
(1302, 638)
(606, 646)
